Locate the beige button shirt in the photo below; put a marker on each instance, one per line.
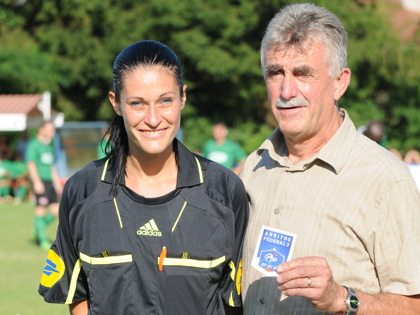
(354, 203)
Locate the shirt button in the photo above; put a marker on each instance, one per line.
(276, 211)
(262, 301)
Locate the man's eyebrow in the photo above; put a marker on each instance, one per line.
(303, 70)
(272, 68)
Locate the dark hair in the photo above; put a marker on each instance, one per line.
(146, 54)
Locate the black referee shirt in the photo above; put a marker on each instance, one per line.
(108, 250)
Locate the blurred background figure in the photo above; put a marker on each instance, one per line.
(4, 148)
(396, 153)
(101, 148)
(224, 151)
(4, 181)
(45, 181)
(375, 131)
(412, 157)
(21, 145)
(19, 178)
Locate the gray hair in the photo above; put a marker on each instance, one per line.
(300, 25)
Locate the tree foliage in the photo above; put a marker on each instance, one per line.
(68, 47)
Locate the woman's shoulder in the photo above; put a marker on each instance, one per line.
(84, 181)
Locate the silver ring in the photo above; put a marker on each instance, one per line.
(309, 282)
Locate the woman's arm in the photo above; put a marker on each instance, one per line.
(79, 308)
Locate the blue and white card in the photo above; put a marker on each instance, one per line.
(274, 247)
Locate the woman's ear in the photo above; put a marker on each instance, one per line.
(114, 103)
(184, 96)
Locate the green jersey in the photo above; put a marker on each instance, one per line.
(43, 157)
(17, 168)
(226, 154)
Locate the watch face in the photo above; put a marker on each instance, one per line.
(354, 303)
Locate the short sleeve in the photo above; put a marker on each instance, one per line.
(240, 153)
(205, 151)
(30, 152)
(231, 284)
(398, 243)
(63, 280)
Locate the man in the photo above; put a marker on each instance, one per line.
(224, 151)
(354, 208)
(45, 181)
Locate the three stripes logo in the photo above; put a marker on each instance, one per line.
(149, 229)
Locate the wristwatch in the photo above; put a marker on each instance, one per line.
(352, 302)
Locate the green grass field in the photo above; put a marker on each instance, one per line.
(21, 264)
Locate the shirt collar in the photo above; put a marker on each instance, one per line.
(189, 168)
(334, 153)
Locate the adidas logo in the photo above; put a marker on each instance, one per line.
(50, 267)
(149, 229)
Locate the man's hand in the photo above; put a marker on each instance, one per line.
(39, 188)
(325, 294)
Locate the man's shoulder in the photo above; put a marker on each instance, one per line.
(380, 158)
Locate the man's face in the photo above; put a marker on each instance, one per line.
(48, 131)
(301, 92)
(219, 132)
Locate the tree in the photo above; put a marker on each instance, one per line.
(68, 47)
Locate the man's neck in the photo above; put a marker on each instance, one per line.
(301, 149)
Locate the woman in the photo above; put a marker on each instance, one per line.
(151, 228)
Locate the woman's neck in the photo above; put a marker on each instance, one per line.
(151, 176)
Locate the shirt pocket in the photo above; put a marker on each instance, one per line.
(106, 276)
(193, 281)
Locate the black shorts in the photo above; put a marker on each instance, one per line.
(49, 196)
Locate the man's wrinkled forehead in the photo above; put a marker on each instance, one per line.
(300, 52)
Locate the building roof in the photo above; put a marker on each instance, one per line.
(20, 104)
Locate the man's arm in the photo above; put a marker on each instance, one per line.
(79, 308)
(238, 169)
(56, 180)
(34, 176)
(328, 296)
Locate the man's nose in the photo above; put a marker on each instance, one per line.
(288, 87)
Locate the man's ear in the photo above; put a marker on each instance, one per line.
(114, 103)
(341, 83)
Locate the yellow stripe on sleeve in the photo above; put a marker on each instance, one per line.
(233, 272)
(231, 302)
(73, 282)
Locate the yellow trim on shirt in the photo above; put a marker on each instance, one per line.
(106, 260)
(199, 171)
(104, 170)
(193, 262)
(179, 216)
(118, 212)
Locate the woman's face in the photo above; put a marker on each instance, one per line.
(150, 104)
